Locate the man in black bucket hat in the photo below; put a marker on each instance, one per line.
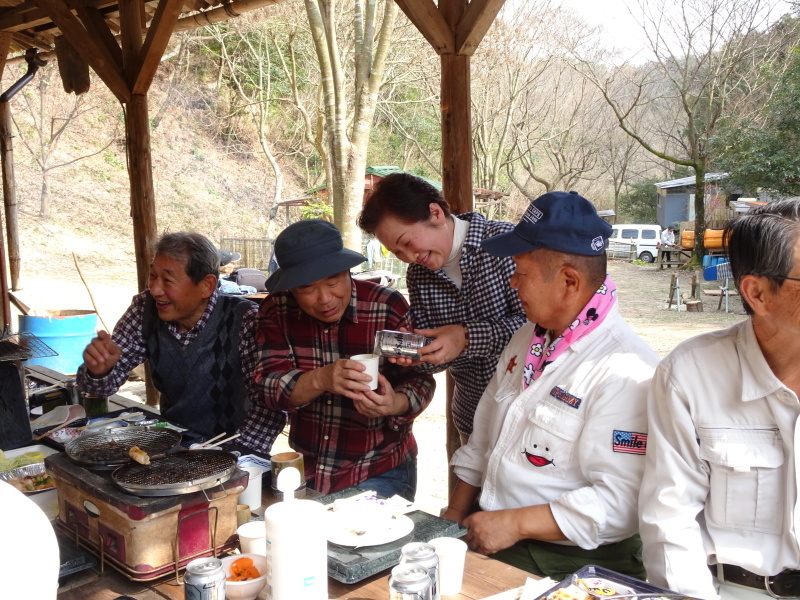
(315, 318)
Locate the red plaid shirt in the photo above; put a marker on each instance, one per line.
(341, 447)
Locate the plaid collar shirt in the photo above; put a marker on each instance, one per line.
(486, 305)
(341, 447)
(128, 336)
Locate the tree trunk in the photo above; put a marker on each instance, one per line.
(699, 212)
(44, 199)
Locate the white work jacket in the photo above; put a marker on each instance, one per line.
(721, 480)
(574, 439)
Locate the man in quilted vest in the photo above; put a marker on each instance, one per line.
(200, 345)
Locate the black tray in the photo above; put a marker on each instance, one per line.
(350, 565)
(639, 586)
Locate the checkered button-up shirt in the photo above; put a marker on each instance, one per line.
(341, 447)
(486, 305)
(129, 337)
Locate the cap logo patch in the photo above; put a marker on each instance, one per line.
(532, 215)
(597, 243)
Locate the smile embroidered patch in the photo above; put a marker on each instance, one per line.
(565, 397)
(629, 442)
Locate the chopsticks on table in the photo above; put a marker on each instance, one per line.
(207, 442)
(54, 429)
(227, 439)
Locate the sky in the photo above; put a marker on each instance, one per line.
(620, 28)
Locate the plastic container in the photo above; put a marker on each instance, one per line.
(67, 332)
(706, 261)
(297, 547)
(713, 238)
(687, 239)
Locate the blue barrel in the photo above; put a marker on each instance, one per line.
(67, 332)
(706, 261)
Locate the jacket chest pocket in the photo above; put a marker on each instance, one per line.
(550, 440)
(747, 480)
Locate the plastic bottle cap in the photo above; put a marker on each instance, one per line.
(288, 482)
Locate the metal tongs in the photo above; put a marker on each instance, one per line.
(580, 583)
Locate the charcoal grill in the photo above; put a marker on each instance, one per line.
(109, 449)
(178, 473)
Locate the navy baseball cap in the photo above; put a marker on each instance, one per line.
(561, 221)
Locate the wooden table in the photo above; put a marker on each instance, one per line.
(483, 577)
(678, 257)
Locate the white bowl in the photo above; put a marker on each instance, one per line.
(245, 590)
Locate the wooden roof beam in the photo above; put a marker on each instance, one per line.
(5, 44)
(472, 27)
(29, 14)
(96, 54)
(158, 36)
(425, 16)
(223, 13)
(96, 24)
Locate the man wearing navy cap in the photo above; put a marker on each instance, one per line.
(557, 453)
(315, 318)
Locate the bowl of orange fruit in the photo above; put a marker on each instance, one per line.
(245, 576)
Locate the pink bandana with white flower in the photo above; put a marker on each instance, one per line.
(590, 317)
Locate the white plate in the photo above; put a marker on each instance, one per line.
(388, 531)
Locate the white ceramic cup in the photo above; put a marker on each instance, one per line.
(253, 538)
(370, 361)
(452, 553)
(252, 494)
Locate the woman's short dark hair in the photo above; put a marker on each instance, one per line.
(401, 195)
(762, 243)
(200, 254)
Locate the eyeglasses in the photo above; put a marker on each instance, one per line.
(788, 278)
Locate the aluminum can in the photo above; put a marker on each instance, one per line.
(423, 555)
(410, 582)
(204, 580)
(400, 344)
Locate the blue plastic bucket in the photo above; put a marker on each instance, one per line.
(67, 332)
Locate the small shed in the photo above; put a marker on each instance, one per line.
(676, 198)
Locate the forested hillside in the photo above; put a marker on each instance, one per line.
(241, 118)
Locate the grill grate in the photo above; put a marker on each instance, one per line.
(180, 473)
(22, 346)
(112, 446)
(181, 468)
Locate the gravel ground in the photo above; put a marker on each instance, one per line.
(642, 291)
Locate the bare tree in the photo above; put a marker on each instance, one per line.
(51, 113)
(350, 86)
(706, 56)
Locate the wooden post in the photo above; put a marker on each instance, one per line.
(456, 133)
(9, 193)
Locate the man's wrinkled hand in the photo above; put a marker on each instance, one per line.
(101, 355)
(491, 531)
(447, 345)
(382, 402)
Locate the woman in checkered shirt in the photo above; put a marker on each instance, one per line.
(460, 295)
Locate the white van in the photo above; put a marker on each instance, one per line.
(646, 238)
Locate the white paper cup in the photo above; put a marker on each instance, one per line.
(252, 494)
(370, 361)
(452, 553)
(253, 538)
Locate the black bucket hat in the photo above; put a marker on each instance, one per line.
(308, 251)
